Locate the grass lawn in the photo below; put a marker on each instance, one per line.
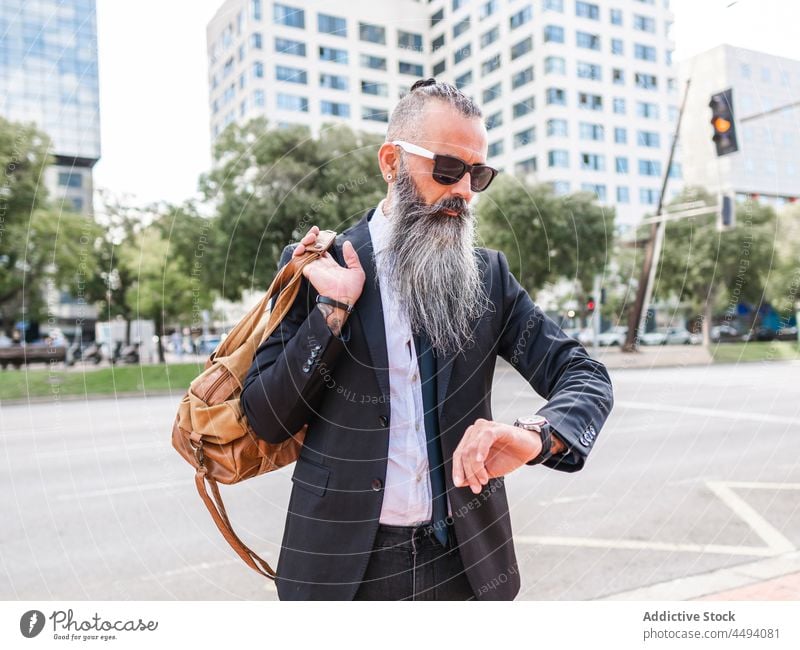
(755, 351)
(36, 381)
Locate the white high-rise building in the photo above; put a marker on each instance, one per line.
(581, 95)
(766, 109)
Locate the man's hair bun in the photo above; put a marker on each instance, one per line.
(422, 83)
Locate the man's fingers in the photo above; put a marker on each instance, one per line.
(350, 256)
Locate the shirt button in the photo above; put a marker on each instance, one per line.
(377, 484)
(419, 477)
(383, 420)
(414, 378)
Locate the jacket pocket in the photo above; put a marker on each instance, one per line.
(311, 476)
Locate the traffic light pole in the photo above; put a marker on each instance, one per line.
(652, 249)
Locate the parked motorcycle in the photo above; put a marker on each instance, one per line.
(125, 354)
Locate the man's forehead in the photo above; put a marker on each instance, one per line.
(443, 129)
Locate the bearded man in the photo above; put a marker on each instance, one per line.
(387, 355)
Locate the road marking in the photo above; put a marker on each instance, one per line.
(714, 413)
(142, 487)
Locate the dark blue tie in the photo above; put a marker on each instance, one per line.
(427, 373)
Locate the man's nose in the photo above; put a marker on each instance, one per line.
(462, 188)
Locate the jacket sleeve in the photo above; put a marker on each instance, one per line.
(286, 380)
(577, 387)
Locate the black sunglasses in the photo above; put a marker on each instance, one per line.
(448, 170)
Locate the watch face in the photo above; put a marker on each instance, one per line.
(532, 421)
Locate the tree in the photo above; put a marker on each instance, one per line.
(270, 186)
(546, 237)
(710, 268)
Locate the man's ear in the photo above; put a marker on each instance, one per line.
(387, 160)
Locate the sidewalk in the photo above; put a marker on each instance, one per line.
(657, 356)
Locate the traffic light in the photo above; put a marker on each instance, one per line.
(722, 120)
(726, 216)
(590, 304)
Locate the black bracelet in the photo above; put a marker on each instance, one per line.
(334, 303)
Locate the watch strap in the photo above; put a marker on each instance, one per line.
(547, 445)
(325, 300)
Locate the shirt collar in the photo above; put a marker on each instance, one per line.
(379, 229)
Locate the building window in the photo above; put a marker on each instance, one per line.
(337, 109)
(553, 34)
(494, 120)
(463, 80)
(598, 190)
(459, 55)
(258, 69)
(648, 196)
(647, 110)
(255, 41)
(374, 114)
(590, 102)
(589, 71)
(644, 52)
(593, 162)
(617, 46)
(333, 81)
(437, 17)
(523, 138)
(527, 166)
(558, 158)
(556, 96)
(649, 168)
(616, 16)
(621, 164)
(557, 127)
(495, 149)
(289, 16)
(522, 77)
(292, 75)
(288, 46)
(623, 195)
(409, 41)
(675, 170)
(618, 105)
(255, 12)
(648, 139)
(744, 70)
(553, 5)
(646, 81)
(525, 45)
(620, 135)
(439, 68)
(414, 69)
(487, 38)
(492, 93)
(375, 88)
(555, 65)
(335, 25)
(437, 43)
(591, 131)
(69, 179)
(490, 65)
(332, 54)
(520, 18)
(587, 40)
(644, 24)
(292, 103)
(457, 4)
(560, 188)
(487, 9)
(372, 33)
(523, 108)
(618, 76)
(587, 10)
(258, 98)
(460, 27)
(243, 79)
(373, 62)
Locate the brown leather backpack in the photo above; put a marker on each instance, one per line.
(211, 431)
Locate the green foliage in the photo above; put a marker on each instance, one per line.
(546, 237)
(270, 186)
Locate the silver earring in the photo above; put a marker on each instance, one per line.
(388, 177)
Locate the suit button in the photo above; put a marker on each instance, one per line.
(377, 484)
(384, 421)
(306, 367)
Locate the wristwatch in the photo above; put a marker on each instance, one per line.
(325, 300)
(539, 424)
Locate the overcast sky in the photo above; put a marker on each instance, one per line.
(154, 95)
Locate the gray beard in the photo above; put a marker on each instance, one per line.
(432, 266)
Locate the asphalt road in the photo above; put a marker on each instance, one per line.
(697, 469)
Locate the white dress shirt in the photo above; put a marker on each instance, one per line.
(407, 490)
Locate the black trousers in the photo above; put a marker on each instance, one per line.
(408, 563)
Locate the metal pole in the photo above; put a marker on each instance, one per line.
(644, 290)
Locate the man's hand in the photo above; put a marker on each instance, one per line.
(342, 283)
(490, 449)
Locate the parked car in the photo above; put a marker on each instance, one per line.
(678, 336)
(787, 334)
(586, 336)
(207, 344)
(725, 333)
(657, 337)
(759, 334)
(614, 336)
